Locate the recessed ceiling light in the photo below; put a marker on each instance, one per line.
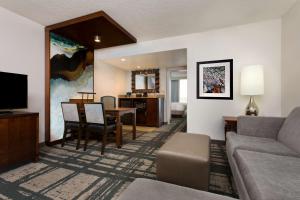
(97, 38)
(123, 59)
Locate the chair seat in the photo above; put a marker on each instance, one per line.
(72, 125)
(97, 127)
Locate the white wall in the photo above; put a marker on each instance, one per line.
(110, 80)
(257, 43)
(22, 51)
(290, 59)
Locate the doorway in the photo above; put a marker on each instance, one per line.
(177, 92)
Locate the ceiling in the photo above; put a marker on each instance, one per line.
(164, 59)
(153, 19)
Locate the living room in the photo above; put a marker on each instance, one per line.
(229, 35)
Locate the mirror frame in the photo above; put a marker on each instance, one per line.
(147, 71)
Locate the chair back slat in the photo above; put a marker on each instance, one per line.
(109, 102)
(70, 112)
(94, 113)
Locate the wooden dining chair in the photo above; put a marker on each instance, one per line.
(72, 121)
(109, 102)
(96, 122)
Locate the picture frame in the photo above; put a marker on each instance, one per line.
(215, 79)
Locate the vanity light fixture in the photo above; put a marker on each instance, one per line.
(97, 38)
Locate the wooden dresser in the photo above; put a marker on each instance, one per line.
(19, 139)
(149, 112)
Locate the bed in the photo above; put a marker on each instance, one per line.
(178, 109)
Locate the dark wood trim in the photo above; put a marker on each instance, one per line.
(54, 142)
(47, 86)
(37, 135)
(89, 17)
(118, 26)
(222, 142)
(42, 144)
(231, 79)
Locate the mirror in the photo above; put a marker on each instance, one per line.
(140, 82)
(145, 81)
(151, 81)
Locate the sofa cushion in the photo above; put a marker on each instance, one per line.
(289, 133)
(146, 189)
(266, 127)
(268, 176)
(264, 145)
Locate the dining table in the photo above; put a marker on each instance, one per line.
(118, 112)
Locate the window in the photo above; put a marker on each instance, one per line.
(183, 90)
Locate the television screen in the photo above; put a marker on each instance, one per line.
(13, 91)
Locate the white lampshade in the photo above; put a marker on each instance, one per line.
(252, 80)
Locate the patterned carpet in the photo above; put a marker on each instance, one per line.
(64, 173)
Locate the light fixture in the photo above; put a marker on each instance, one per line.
(97, 38)
(138, 67)
(123, 59)
(252, 84)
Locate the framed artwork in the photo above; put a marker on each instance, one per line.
(214, 79)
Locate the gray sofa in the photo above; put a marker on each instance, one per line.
(264, 156)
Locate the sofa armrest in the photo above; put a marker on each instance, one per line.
(267, 127)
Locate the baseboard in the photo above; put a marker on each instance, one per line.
(219, 141)
(42, 144)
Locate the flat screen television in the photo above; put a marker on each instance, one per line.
(13, 91)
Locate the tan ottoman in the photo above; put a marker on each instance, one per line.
(184, 160)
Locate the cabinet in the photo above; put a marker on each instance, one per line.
(19, 137)
(230, 124)
(149, 110)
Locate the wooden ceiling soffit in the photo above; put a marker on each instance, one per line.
(84, 29)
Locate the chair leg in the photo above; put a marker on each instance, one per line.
(64, 137)
(87, 135)
(104, 140)
(78, 139)
(72, 135)
(98, 138)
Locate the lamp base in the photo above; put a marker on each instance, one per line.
(252, 108)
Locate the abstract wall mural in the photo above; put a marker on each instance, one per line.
(72, 71)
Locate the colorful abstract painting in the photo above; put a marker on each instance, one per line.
(214, 79)
(72, 71)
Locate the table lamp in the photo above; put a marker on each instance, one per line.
(252, 84)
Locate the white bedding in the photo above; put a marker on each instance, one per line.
(178, 109)
(176, 106)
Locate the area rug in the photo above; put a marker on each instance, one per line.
(144, 129)
(66, 173)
